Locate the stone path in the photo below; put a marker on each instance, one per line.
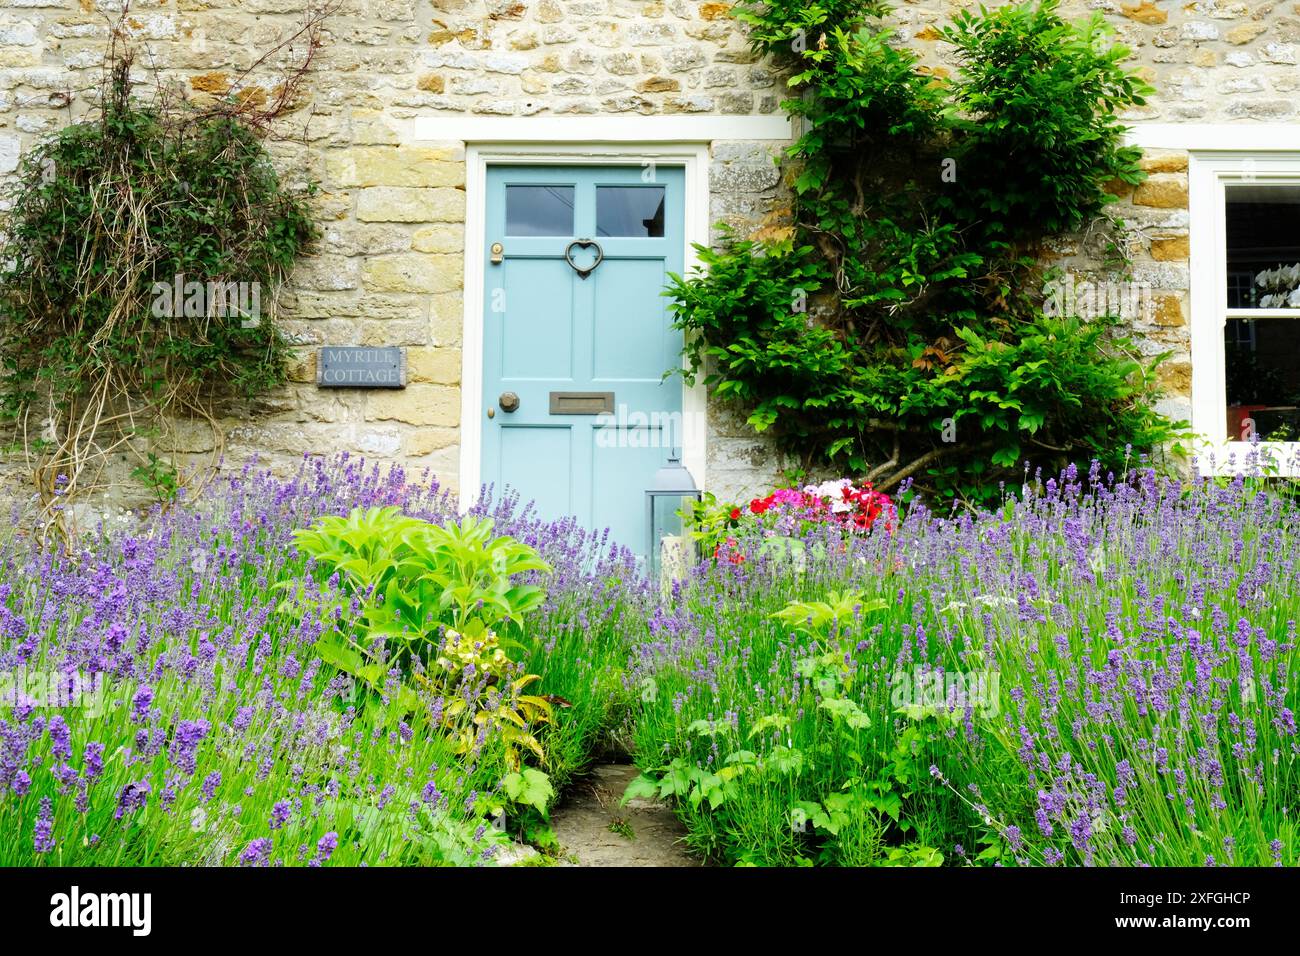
(594, 830)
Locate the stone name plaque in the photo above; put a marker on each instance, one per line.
(348, 367)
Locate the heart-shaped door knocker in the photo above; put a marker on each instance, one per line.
(584, 244)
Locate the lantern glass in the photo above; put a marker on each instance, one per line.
(669, 548)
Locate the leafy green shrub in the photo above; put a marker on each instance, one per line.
(821, 777)
(141, 252)
(1035, 116)
(897, 329)
(417, 577)
(435, 601)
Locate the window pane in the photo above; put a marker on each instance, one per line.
(1263, 378)
(1263, 225)
(630, 211)
(539, 210)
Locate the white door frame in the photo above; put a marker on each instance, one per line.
(693, 157)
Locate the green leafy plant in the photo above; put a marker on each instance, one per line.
(528, 787)
(418, 578)
(827, 779)
(684, 781)
(160, 476)
(896, 326)
(819, 617)
(711, 522)
(106, 220)
(438, 601)
(623, 828)
(467, 662)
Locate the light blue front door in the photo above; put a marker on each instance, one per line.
(569, 347)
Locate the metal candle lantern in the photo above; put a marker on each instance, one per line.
(669, 495)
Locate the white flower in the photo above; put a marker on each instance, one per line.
(830, 489)
(1283, 284)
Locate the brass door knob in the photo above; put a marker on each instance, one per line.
(508, 401)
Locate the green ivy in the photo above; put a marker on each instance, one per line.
(897, 328)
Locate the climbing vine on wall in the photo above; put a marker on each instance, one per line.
(142, 249)
(896, 327)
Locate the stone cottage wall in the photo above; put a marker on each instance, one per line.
(390, 264)
(389, 267)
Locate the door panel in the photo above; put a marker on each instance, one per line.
(537, 328)
(548, 329)
(539, 461)
(629, 343)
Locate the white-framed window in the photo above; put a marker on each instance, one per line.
(1245, 308)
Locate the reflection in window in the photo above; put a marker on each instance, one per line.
(1263, 378)
(1263, 231)
(539, 210)
(630, 211)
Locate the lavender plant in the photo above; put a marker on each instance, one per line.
(1102, 672)
(161, 711)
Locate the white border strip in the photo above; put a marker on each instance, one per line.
(1226, 137)
(592, 129)
(695, 161)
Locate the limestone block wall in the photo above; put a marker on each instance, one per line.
(389, 267)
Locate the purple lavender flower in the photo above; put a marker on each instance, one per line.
(141, 701)
(210, 784)
(60, 737)
(280, 814)
(93, 759)
(131, 798)
(189, 734)
(44, 833)
(1044, 824)
(257, 853)
(243, 718)
(325, 848)
(1014, 839)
